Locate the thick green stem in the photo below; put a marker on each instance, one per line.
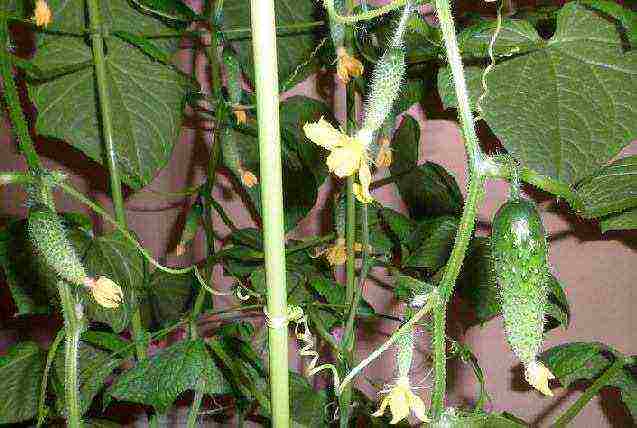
(73, 312)
(467, 222)
(350, 239)
(590, 392)
(267, 90)
(12, 99)
(106, 114)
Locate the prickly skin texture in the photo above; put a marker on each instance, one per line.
(520, 251)
(48, 236)
(233, 77)
(337, 30)
(385, 86)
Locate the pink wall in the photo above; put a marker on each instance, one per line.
(597, 270)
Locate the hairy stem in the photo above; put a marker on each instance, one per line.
(73, 329)
(570, 413)
(467, 221)
(267, 90)
(99, 61)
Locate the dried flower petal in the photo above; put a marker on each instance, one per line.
(240, 116)
(384, 157)
(347, 65)
(248, 178)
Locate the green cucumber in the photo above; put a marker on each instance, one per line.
(233, 77)
(48, 236)
(520, 251)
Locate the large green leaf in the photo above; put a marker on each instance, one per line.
(612, 188)
(114, 256)
(515, 37)
(157, 381)
(455, 418)
(622, 221)
(426, 189)
(431, 243)
(21, 372)
(307, 406)
(170, 9)
(566, 109)
(94, 366)
(577, 361)
(295, 50)
(146, 96)
(170, 295)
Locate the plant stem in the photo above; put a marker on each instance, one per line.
(267, 90)
(73, 329)
(350, 239)
(97, 41)
(12, 99)
(602, 381)
(467, 221)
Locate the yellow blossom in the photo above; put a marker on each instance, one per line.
(248, 178)
(105, 292)
(42, 14)
(384, 157)
(348, 154)
(337, 254)
(347, 65)
(361, 191)
(400, 400)
(240, 116)
(538, 376)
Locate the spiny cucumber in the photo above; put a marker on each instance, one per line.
(233, 76)
(48, 236)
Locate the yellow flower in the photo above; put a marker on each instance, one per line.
(105, 292)
(384, 157)
(400, 400)
(42, 14)
(337, 254)
(248, 178)
(347, 65)
(348, 154)
(538, 376)
(240, 116)
(361, 191)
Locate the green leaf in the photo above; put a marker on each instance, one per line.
(334, 294)
(577, 361)
(406, 287)
(115, 257)
(610, 189)
(515, 37)
(158, 380)
(478, 288)
(101, 423)
(94, 366)
(294, 49)
(455, 418)
(400, 225)
(307, 406)
(146, 112)
(299, 192)
(627, 17)
(579, 114)
(431, 243)
(109, 341)
(171, 295)
(623, 221)
(428, 189)
(21, 371)
(169, 9)
(295, 112)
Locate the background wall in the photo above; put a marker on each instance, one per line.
(598, 271)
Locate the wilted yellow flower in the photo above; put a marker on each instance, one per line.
(240, 116)
(105, 292)
(361, 191)
(322, 133)
(538, 376)
(248, 178)
(347, 65)
(337, 254)
(42, 14)
(384, 156)
(400, 400)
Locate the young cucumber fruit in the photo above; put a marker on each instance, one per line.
(519, 249)
(48, 236)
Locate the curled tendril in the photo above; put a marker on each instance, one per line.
(491, 65)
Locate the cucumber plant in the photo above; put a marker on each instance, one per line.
(109, 80)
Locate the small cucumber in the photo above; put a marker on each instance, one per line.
(191, 226)
(520, 250)
(233, 77)
(48, 236)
